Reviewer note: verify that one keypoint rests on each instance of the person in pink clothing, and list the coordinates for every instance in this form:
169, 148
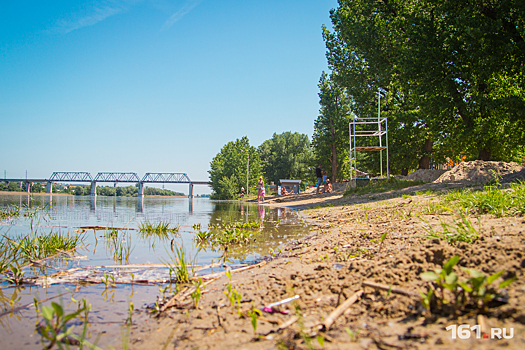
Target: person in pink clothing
260, 190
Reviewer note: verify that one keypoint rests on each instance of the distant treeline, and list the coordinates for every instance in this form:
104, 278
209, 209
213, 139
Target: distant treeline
128, 191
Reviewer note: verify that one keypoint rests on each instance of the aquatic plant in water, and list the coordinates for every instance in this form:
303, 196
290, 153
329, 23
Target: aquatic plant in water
181, 265
162, 229
34, 246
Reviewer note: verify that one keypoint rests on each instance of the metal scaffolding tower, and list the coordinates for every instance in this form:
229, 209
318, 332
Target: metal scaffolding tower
371, 127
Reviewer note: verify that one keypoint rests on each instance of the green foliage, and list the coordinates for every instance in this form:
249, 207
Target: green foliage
448, 291
162, 229
438, 89
330, 140
460, 230
228, 169
197, 293
180, 265
254, 314
56, 328
287, 156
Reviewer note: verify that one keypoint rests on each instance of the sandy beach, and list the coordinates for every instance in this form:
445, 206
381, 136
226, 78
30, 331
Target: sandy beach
353, 290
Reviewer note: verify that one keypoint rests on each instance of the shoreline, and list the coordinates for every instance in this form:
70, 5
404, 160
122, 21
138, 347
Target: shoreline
70, 194
329, 266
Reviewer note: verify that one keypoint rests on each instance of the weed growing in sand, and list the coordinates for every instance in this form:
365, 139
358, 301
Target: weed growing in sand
254, 314
461, 230
491, 200
232, 294
447, 291
197, 293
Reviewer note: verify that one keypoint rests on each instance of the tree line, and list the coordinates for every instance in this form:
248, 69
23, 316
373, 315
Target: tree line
450, 76
119, 191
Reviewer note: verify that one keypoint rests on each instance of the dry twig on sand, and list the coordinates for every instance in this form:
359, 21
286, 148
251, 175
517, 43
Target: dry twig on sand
340, 309
394, 290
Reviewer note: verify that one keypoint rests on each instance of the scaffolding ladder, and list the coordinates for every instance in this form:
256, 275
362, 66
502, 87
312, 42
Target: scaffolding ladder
373, 127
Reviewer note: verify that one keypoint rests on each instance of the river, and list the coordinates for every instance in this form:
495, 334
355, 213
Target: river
110, 302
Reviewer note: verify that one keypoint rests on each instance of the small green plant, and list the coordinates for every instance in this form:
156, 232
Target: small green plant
161, 230
233, 295
16, 275
181, 265
197, 293
461, 230
254, 314
447, 291
56, 329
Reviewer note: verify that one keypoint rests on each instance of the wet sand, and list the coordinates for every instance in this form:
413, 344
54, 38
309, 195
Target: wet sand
339, 260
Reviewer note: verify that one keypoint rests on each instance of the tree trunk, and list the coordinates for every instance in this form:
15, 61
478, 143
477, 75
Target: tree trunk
404, 171
485, 154
424, 162
334, 163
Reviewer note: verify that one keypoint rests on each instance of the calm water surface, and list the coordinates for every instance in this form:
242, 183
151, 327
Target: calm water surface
110, 305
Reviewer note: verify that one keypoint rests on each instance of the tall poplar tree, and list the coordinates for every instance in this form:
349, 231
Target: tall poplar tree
331, 134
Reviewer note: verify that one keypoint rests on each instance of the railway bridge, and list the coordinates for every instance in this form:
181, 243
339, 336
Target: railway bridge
112, 177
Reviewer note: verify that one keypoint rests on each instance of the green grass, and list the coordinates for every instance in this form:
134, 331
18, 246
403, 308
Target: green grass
382, 185
491, 200
119, 245
17, 251
162, 230
10, 212
180, 264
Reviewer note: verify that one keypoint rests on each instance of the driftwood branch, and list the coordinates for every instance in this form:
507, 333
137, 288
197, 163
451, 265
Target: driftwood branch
391, 289
340, 309
219, 274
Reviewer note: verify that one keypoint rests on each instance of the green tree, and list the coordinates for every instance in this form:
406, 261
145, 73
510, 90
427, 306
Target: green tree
287, 156
79, 191
454, 67
331, 134
14, 186
228, 169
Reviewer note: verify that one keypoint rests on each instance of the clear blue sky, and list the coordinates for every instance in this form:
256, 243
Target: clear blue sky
153, 85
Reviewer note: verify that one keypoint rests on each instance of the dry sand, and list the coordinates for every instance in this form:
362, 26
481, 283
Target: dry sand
331, 265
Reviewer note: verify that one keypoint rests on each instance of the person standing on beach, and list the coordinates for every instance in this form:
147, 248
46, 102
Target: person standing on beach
260, 190
242, 192
319, 175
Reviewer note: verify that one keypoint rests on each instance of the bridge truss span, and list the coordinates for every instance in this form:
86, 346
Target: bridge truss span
116, 177
72, 176
176, 178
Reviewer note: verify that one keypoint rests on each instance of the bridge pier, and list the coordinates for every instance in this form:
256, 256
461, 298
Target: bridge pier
141, 190
49, 187
28, 186
93, 189
191, 191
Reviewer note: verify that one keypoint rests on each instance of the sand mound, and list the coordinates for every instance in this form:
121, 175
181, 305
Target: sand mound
427, 175
478, 171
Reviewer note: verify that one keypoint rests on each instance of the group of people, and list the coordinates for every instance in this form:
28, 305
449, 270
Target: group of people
260, 190
322, 178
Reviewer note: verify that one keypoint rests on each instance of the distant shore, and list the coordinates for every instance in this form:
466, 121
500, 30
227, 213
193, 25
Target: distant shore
69, 194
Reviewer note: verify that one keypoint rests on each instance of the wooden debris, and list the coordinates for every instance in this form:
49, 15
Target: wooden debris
394, 290
340, 309
288, 323
172, 301
219, 274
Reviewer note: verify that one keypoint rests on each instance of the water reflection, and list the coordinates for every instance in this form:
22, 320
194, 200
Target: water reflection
68, 214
